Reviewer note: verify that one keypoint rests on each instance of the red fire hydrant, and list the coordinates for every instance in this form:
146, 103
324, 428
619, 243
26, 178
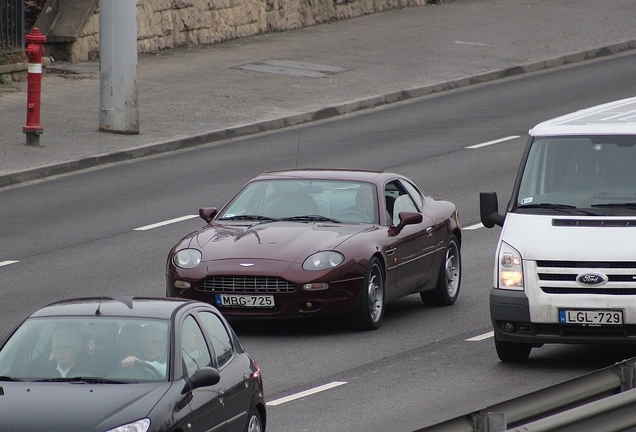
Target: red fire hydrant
34, 52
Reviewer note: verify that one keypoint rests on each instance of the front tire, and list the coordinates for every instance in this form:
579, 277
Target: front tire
254, 424
449, 278
370, 310
512, 352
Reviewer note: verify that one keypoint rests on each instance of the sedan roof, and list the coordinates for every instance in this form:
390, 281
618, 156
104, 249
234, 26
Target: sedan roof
329, 174
139, 307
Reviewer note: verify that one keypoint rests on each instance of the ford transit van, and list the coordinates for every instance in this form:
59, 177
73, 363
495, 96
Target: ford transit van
565, 263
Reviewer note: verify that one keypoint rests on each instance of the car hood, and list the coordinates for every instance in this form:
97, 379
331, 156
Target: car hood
61, 406
287, 241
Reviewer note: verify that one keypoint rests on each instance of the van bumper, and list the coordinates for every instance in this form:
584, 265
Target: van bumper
510, 315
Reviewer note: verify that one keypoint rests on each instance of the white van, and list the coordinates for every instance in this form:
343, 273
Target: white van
565, 264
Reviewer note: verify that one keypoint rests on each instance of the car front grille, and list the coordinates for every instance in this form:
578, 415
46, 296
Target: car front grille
245, 284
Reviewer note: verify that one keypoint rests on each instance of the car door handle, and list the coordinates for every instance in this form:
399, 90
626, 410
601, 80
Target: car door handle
390, 251
221, 394
430, 231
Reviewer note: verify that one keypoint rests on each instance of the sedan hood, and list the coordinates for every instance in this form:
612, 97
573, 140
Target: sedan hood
60, 406
286, 241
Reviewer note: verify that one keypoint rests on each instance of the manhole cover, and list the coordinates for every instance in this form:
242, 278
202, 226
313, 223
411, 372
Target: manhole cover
294, 68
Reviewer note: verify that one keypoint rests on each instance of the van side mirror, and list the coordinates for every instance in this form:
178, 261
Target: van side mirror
489, 210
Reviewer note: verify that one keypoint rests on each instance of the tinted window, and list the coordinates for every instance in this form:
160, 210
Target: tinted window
194, 350
221, 340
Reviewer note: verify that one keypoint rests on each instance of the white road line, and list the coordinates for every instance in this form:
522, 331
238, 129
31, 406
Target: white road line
164, 223
5, 263
473, 227
481, 337
469, 43
508, 138
305, 393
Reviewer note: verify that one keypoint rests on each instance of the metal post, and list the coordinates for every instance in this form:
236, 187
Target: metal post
119, 107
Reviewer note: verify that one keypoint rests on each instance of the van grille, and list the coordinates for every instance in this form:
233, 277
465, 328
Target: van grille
560, 277
246, 284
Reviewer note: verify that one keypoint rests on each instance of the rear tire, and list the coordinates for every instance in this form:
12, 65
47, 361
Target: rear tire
370, 310
449, 278
512, 352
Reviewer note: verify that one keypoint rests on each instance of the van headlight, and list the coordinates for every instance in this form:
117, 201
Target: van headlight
509, 268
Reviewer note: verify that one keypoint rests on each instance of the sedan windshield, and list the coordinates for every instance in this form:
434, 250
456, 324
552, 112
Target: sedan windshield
89, 349
563, 174
304, 201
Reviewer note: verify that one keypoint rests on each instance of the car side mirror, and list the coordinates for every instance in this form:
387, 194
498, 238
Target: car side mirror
489, 210
204, 377
407, 218
207, 213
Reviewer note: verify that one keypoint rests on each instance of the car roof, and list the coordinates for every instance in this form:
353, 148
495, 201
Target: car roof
613, 118
137, 307
329, 174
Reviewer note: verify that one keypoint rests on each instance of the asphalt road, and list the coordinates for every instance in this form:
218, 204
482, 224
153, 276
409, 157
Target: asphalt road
78, 235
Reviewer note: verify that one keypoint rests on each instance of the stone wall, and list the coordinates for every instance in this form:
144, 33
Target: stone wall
165, 24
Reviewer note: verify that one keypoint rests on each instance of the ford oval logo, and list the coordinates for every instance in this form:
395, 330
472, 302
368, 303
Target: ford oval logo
591, 279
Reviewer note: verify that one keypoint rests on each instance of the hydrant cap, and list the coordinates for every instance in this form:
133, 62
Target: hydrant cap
35, 36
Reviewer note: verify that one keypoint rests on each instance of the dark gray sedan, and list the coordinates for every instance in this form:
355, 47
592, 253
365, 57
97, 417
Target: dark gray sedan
128, 365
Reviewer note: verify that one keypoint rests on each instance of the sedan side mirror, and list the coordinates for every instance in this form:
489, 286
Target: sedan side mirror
489, 210
207, 213
204, 377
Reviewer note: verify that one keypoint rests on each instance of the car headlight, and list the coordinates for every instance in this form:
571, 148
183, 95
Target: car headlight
323, 260
187, 258
510, 268
137, 426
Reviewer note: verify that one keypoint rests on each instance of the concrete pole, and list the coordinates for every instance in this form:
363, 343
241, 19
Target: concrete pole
118, 100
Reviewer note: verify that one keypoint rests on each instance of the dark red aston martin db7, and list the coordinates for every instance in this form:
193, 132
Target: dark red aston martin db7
320, 242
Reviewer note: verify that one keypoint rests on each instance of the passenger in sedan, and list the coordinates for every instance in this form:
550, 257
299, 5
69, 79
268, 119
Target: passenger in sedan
63, 362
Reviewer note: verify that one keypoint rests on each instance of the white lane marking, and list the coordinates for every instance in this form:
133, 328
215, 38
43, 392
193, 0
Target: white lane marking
481, 337
473, 227
305, 393
469, 43
164, 223
5, 263
508, 138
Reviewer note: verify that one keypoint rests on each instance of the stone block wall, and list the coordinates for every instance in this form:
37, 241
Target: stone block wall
165, 24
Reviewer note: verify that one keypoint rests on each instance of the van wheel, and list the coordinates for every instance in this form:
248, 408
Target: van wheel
449, 278
512, 351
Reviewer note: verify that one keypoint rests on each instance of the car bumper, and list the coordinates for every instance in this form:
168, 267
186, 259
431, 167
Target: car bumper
341, 298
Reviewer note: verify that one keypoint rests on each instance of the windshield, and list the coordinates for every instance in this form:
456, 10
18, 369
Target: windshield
338, 201
98, 349
594, 172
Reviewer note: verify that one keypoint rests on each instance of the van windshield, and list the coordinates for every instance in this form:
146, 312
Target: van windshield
580, 172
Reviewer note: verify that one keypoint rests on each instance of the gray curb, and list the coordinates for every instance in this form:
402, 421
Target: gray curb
321, 114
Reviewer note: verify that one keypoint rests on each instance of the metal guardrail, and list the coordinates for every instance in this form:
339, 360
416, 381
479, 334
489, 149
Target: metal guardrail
11, 26
601, 401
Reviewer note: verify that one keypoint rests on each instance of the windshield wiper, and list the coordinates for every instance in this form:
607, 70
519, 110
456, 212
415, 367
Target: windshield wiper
8, 378
566, 208
626, 205
311, 218
249, 217
88, 380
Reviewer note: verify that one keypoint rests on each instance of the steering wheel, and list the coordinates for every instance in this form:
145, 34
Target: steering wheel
148, 367
357, 215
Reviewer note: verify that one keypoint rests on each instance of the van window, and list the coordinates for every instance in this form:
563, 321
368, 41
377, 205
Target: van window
579, 171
